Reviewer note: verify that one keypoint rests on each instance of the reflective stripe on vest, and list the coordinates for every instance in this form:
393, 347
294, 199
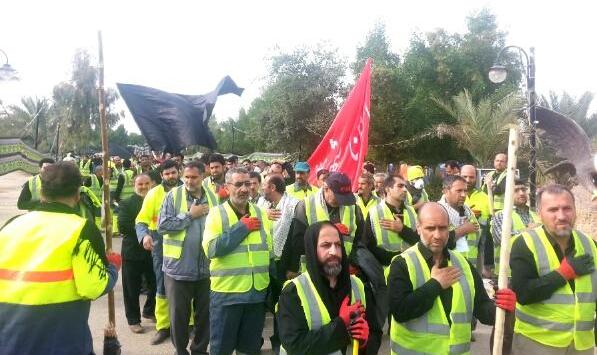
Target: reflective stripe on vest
498, 200
517, 227
95, 186
315, 310
247, 266
432, 333
566, 317
373, 201
301, 194
390, 240
128, 186
212, 198
316, 212
173, 242
152, 203
84, 168
409, 197
35, 188
36, 264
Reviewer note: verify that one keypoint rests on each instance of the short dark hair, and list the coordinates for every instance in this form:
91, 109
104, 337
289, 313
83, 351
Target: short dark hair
389, 181
321, 172
370, 168
553, 189
520, 182
278, 183
247, 161
450, 180
452, 164
254, 174
155, 176
46, 160
232, 159
168, 164
216, 158
194, 164
61, 179
126, 163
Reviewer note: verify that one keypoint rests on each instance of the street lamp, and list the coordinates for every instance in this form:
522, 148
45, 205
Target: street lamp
6, 71
497, 74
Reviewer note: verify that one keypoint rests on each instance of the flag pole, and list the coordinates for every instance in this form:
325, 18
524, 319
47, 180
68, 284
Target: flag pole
111, 344
500, 314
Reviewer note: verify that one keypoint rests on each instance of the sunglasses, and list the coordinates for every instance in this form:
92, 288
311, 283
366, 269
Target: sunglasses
240, 184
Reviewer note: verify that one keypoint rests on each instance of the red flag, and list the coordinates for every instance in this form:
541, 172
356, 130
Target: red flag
344, 146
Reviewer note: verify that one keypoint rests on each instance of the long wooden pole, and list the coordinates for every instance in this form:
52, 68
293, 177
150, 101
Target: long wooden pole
106, 172
500, 314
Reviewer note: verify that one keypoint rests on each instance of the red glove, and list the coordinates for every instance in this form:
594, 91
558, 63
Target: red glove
359, 330
114, 259
505, 299
342, 228
347, 309
252, 223
222, 193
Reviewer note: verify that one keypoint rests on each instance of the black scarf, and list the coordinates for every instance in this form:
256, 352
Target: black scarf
332, 298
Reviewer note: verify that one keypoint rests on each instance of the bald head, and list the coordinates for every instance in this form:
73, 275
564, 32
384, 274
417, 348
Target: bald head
433, 227
469, 173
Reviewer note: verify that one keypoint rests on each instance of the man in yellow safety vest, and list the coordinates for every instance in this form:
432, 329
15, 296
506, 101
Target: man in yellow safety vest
435, 292
553, 273
31, 192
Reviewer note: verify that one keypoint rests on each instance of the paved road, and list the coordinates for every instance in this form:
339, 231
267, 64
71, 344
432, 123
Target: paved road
138, 344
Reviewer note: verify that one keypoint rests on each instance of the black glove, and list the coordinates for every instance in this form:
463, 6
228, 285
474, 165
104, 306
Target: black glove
582, 265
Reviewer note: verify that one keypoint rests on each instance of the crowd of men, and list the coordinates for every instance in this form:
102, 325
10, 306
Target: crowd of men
216, 243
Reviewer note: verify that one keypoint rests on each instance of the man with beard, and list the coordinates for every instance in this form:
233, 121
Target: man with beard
379, 178
301, 188
478, 202
137, 263
553, 273
365, 198
462, 219
496, 181
238, 242
214, 183
147, 234
323, 310
280, 207
186, 269
390, 227
435, 292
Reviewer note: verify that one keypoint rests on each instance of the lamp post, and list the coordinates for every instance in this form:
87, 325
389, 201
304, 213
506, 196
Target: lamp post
497, 74
6, 71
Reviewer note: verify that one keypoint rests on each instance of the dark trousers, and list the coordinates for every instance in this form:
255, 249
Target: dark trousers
508, 334
236, 327
133, 272
181, 294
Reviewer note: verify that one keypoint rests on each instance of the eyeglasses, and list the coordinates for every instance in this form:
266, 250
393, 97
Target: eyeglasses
239, 184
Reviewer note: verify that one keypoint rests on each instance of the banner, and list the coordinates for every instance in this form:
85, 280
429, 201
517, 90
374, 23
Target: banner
171, 122
344, 146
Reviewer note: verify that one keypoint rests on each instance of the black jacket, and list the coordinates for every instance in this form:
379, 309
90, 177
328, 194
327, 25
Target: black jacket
128, 211
407, 304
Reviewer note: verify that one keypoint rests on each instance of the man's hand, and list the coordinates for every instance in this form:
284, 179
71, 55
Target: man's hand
148, 243
446, 276
346, 310
273, 214
394, 225
488, 181
197, 211
114, 259
252, 223
571, 268
466, 228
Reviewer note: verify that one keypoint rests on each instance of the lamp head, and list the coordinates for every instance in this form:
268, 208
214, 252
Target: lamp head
497, 74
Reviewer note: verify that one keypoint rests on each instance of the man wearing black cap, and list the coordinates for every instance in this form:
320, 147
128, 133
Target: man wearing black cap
334, 202
322, 310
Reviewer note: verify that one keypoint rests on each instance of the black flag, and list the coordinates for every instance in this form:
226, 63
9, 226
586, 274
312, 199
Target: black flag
172, 122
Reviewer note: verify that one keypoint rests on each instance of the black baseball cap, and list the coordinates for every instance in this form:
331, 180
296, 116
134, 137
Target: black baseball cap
341, 186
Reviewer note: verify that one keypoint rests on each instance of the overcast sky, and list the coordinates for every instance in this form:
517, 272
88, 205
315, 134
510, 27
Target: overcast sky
188, 46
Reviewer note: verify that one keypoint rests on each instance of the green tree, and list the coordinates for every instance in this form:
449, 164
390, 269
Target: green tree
481, 128
33, 115
299, 101
76, 106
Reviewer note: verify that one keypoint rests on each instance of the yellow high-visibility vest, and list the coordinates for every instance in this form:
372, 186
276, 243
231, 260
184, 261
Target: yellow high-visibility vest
245, 267
315, 310
567, 316
36, 262
432, 333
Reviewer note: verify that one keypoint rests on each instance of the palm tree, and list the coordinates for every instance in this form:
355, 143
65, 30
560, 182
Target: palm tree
481, 128
29, 120
578, 110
